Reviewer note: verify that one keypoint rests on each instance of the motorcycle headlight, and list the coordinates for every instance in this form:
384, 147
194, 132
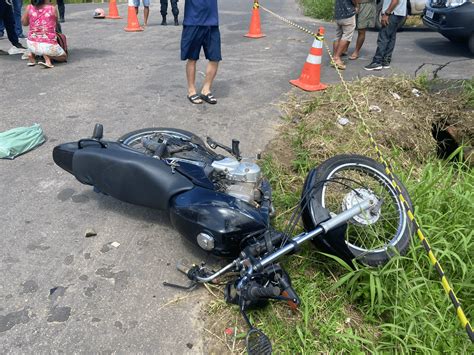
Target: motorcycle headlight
454, 3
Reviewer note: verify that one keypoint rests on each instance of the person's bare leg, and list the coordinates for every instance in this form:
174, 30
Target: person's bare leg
359, 43
211, 72
335, 44
146, 12
31, 57
191, 77
342, 46
47, 60
136, 10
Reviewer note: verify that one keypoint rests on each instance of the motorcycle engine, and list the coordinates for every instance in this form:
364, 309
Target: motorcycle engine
240, 179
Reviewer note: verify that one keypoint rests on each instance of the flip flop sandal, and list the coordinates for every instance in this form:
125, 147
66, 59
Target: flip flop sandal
209, 98
194, 99
46, 66
353, 58
339, 66
30, 64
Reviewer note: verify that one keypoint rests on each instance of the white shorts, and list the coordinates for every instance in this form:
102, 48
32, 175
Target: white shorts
39, 48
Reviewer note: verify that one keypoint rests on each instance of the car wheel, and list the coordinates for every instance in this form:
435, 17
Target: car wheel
453, 39
471, 43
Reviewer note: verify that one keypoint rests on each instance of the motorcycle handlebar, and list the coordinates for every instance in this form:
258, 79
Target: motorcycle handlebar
264, 292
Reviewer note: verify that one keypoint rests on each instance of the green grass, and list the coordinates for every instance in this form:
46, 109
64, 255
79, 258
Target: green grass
398, 308
320, 9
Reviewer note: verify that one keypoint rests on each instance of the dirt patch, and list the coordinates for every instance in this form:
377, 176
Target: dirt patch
399, 112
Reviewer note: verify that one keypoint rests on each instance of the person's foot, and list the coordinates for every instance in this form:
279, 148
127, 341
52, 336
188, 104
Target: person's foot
21, 36
339, 64
62, 20
19, 45
373, 66
386, 65
46, 65
2, 35
176, 22
354, 56
163, 23
195, 98
209, 98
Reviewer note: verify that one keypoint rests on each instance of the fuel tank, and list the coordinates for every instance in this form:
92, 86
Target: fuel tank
214, 221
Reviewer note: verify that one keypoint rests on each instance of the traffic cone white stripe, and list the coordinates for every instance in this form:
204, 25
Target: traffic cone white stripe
317, 44
313, 59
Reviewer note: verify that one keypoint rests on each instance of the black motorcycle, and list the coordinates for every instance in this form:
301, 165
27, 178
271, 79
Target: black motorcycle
349, 207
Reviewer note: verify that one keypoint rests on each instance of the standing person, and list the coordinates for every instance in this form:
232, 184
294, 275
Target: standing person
6, 16
17, 4
146, 9
201, 30
365, 18
42, 18
174, 10
344, 13
62, 10
393, 13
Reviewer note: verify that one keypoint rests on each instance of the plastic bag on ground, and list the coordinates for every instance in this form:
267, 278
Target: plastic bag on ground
20, 140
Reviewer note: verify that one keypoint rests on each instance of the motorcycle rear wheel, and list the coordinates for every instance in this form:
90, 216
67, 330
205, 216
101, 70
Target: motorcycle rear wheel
340, 183
134, 139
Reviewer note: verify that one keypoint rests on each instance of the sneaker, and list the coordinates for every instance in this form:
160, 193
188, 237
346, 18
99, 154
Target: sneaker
386, 65
22, 36
62, 20
176, 22
14, 50
163, 23
373, 66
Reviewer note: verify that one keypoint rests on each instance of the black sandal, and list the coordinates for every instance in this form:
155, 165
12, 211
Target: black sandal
209, 98
194, 99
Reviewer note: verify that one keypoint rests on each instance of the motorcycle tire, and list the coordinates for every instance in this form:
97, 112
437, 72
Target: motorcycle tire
135, 136
338, 184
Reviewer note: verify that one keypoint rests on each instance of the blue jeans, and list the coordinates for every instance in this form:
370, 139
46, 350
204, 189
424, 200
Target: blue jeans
6, 14
17, 4
386, 40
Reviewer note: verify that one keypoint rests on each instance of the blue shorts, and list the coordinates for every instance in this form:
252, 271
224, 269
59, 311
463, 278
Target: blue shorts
195, 37
146, 3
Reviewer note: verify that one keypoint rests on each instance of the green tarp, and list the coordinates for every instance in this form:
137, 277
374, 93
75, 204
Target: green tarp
20, 140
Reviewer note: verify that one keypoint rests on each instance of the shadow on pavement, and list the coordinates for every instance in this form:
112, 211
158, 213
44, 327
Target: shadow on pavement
442, 47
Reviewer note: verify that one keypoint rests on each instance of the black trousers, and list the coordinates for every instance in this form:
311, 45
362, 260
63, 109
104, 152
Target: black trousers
61, 8
174, 7
386, 40
6, 14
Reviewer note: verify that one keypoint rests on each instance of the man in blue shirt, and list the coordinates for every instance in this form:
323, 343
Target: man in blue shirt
201, 30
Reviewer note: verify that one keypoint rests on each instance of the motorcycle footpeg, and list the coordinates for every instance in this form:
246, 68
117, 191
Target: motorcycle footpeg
188, 287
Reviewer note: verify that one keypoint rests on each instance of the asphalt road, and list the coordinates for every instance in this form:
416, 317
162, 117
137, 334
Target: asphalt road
60, 291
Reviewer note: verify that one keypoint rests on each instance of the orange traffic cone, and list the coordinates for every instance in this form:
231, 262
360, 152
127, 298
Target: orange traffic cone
113, 11
132, 25
310, 77
255, 31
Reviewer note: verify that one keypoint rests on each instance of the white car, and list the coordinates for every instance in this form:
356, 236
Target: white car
414, 7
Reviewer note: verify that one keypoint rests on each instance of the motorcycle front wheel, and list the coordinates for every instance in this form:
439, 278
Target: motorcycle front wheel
342, 182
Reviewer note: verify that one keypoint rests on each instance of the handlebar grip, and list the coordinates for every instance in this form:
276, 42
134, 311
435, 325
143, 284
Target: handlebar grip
264, 292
